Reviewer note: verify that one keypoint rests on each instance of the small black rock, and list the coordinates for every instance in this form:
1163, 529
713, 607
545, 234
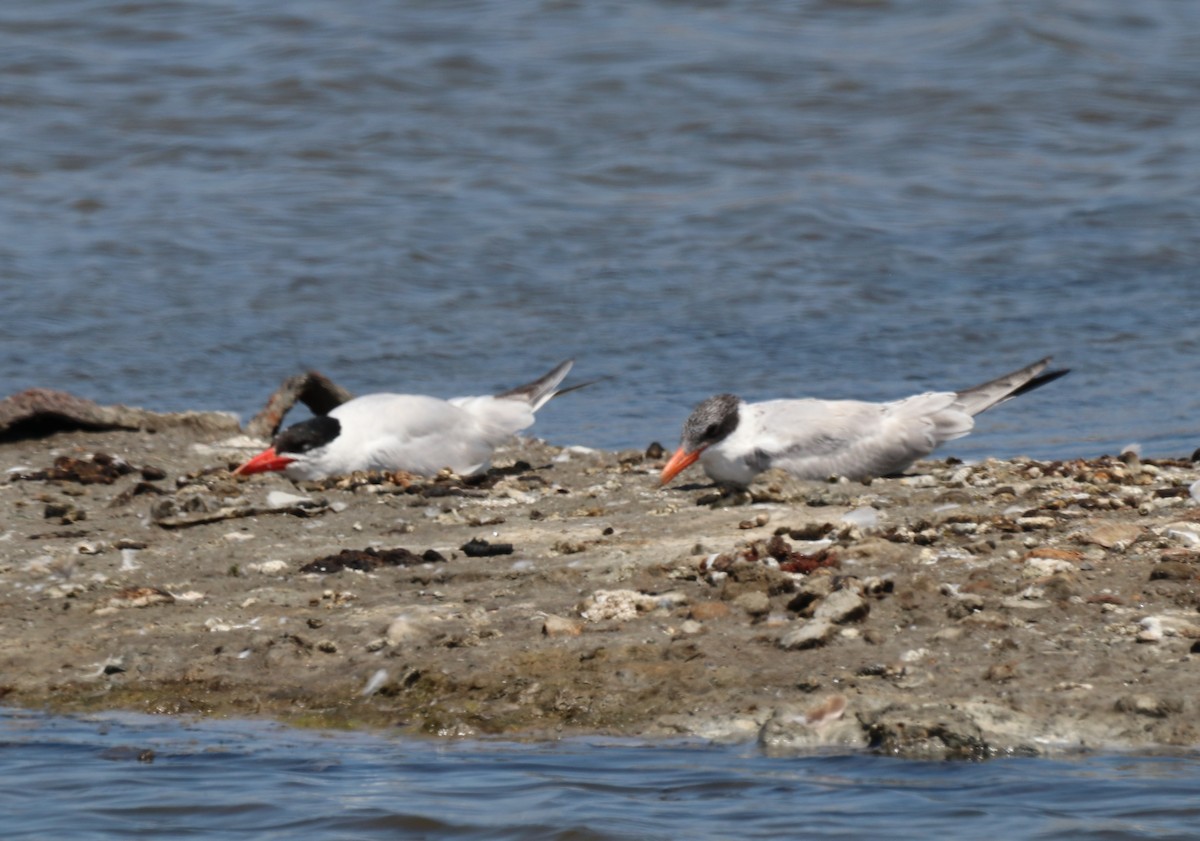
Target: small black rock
476, 548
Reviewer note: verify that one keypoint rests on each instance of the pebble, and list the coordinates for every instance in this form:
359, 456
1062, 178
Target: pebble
671, 600
1152, 630
754, 602
616, 605
708, 611
757, 521
403, 629
1157, 626
1172, 571
279, 499
1187, 534
375, 682
864, 518
561, 626
272, 567
137, 597
842, 606
1058, 554
1027, 599
816, 586
1148, 705
877, 587
1001, 672
64, 513
803, 730
966, 604
1116, 536
1040, 567
809, 635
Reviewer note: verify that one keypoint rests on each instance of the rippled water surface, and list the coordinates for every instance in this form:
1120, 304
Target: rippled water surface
198, 199
123, 776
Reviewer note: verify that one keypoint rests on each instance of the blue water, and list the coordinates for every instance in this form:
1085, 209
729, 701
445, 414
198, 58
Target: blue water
198, 199
867, 199
81, 778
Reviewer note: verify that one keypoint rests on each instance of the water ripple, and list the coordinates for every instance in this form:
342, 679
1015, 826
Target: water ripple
207, 780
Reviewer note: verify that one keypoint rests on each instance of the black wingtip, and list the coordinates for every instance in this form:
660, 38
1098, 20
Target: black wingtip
536, 391
1040, 380
569, 389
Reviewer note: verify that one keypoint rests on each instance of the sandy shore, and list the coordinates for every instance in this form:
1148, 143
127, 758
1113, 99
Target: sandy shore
965, 610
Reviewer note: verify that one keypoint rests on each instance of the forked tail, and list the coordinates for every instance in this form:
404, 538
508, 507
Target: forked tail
542, 389
986, 395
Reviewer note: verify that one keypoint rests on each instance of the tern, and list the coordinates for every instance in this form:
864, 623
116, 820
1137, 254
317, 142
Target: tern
407, 432
816, 439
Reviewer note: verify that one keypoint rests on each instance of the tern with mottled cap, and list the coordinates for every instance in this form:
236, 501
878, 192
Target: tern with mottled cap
407, 432
734, 441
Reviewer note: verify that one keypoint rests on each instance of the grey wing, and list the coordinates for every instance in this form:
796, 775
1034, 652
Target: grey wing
815, 439
409, 432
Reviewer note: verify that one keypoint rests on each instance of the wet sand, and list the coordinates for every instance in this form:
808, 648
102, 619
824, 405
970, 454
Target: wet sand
964, 610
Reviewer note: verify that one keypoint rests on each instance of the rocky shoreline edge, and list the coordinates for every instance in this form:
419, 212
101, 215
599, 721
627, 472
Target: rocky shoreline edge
967, 610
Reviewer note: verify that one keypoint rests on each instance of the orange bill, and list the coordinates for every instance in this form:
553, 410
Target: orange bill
264, 462
678, 463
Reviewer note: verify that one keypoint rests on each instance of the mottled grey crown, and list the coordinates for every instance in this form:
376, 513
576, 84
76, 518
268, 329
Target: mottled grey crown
307, 435
710, 422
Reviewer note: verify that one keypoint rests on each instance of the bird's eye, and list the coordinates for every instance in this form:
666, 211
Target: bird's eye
710, 431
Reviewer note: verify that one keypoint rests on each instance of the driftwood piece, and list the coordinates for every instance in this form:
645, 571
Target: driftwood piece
314, 390
167, 514
39, 411
371, 558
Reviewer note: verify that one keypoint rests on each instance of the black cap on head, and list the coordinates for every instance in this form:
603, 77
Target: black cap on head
307, 435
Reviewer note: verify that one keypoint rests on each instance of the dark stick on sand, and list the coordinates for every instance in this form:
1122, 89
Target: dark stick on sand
314, 390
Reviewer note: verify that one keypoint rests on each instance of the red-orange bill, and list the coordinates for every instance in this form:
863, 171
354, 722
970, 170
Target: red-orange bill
264, 462
680, 461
